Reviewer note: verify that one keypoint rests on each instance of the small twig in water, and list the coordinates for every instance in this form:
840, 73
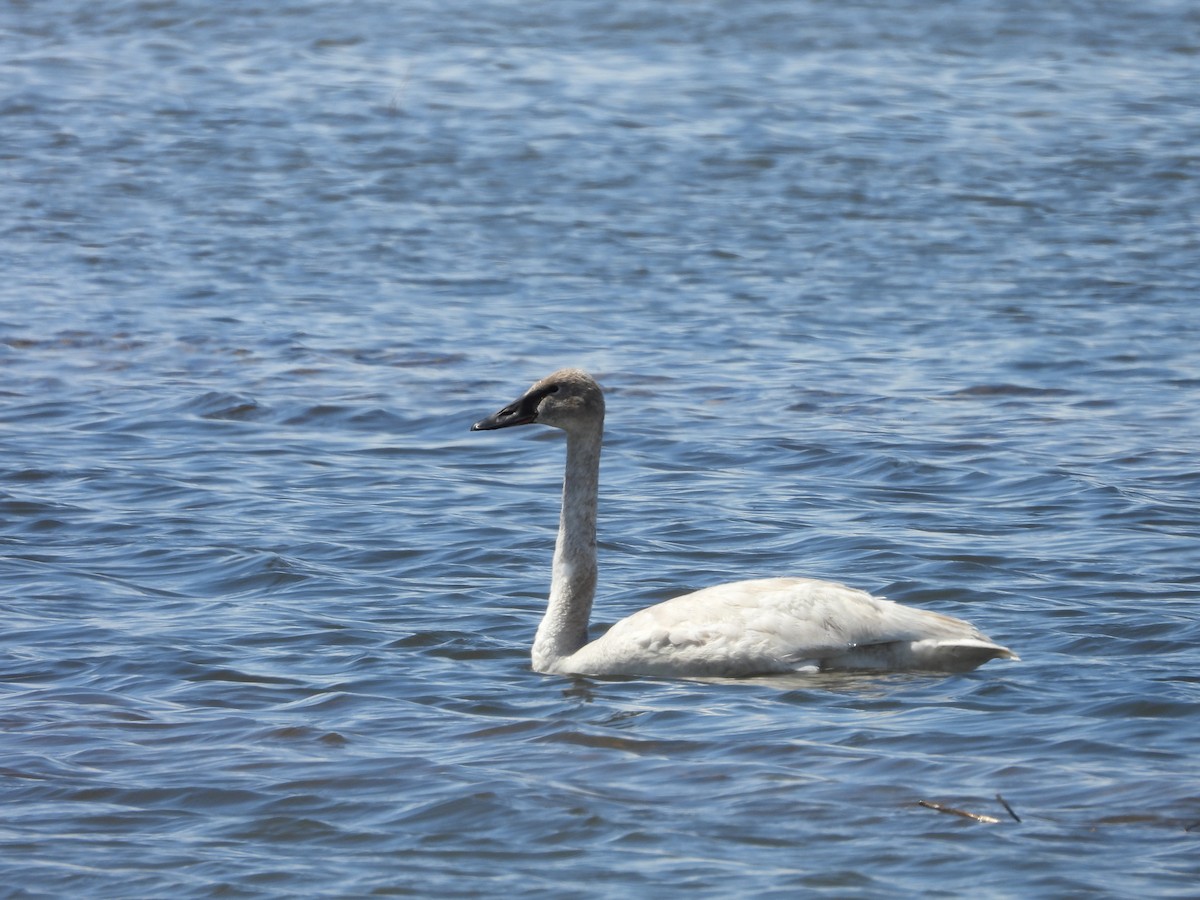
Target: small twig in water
974, 817
1004, 803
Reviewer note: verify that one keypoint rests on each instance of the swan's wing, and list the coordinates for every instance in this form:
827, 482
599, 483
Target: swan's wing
779, 625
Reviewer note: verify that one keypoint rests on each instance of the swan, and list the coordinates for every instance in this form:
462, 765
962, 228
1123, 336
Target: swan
743, 628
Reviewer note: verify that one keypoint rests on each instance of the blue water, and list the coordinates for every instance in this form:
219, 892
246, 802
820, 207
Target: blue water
902, 295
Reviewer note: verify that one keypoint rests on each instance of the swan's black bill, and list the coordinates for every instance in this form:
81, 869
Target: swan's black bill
513, 414
523, 411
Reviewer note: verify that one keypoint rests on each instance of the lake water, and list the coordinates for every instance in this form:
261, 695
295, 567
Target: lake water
901, 295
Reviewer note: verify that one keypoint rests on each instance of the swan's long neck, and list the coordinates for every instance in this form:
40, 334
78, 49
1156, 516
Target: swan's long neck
573, 584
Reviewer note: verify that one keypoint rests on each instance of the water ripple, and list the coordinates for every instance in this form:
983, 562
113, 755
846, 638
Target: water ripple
902, 299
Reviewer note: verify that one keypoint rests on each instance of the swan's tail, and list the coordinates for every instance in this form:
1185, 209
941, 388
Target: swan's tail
959, 655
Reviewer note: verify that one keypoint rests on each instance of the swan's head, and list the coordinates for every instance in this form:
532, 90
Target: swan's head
569, 399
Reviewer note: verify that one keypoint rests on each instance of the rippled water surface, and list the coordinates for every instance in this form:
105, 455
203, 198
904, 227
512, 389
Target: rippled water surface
902, 295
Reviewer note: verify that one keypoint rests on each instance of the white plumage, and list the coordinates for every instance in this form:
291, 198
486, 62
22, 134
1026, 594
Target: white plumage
743, 628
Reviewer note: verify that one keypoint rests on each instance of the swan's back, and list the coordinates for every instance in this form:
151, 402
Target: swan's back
782, 625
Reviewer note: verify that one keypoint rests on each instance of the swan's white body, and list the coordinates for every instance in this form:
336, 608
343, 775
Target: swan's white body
758, 627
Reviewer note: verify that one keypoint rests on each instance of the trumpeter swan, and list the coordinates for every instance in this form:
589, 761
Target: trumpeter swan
743, 628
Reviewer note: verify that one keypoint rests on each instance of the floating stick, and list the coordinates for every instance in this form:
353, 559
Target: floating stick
974, 817
1004, 803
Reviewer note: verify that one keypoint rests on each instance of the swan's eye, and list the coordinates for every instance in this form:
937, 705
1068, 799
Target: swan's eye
553, 389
